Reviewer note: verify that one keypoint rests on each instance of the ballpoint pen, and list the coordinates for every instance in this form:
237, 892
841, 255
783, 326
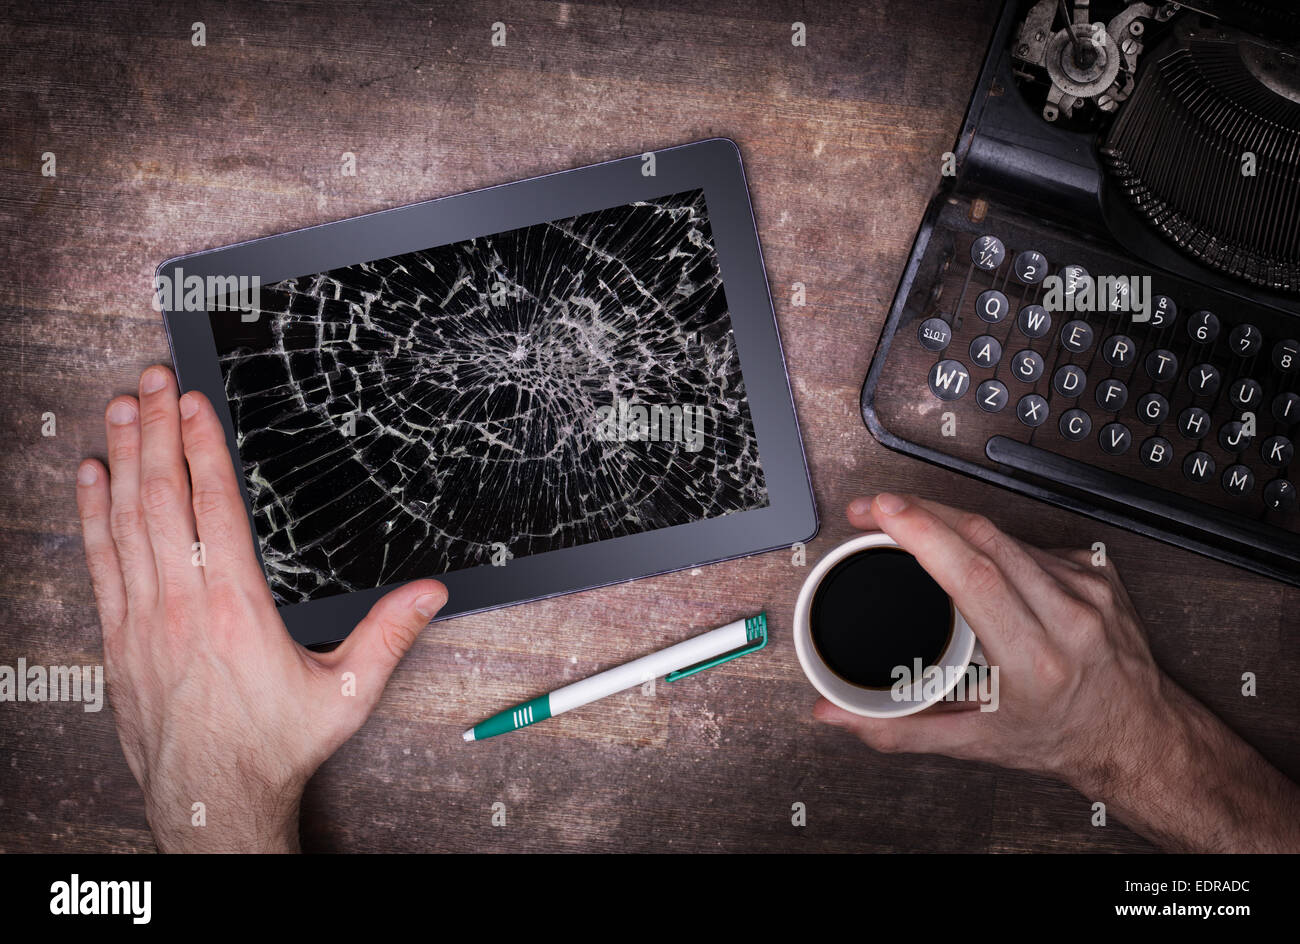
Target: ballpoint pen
676, 662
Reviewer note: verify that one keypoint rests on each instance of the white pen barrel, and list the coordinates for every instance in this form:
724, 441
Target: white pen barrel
687, 653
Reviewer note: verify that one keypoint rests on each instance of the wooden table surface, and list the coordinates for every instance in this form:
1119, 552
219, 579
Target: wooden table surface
164, 148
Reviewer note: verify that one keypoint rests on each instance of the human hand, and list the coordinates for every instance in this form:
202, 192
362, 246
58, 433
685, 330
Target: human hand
214, 702
1080, 696
1074, 667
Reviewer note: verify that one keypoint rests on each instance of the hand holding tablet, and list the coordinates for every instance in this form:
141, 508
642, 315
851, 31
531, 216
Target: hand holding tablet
526, 390
222, 717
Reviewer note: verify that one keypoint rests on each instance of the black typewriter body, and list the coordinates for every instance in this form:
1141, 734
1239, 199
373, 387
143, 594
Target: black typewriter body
1142, 160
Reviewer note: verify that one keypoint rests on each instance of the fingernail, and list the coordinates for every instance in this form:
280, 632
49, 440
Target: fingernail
152, 381
859, 506
890, 504
189, 406
429, 604
121, 413
87, 474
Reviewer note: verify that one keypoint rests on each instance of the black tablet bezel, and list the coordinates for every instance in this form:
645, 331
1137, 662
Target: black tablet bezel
715, 165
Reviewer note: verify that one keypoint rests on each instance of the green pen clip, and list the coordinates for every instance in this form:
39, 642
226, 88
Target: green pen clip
755, 632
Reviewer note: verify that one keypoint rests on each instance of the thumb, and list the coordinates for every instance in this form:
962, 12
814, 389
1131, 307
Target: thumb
927, 732
383, 638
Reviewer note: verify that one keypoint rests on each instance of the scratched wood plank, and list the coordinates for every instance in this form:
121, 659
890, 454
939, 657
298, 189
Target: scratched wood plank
164, 148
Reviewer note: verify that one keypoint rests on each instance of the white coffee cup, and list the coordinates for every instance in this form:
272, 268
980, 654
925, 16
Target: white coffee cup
873, 702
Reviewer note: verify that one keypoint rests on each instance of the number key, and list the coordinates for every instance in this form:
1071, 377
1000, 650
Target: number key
1285, 353
1203, 327
1072, 276
1163, 311
1031, 267
1245, 340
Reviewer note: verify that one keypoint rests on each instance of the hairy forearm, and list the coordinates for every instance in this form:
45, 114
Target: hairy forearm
254, 820
1189, 784
254, 834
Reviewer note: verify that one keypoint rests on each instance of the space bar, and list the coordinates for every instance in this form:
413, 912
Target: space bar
1178, 511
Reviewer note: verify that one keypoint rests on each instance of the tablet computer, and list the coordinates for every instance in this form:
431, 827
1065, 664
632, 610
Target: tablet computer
536, 388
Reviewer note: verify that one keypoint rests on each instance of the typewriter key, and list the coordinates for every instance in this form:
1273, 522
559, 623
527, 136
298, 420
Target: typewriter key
992, 396
1075, 425
1115, 439
1238, 480
992, 306
1203, 380
1162, 365
1203, 327
1152, 409
949, 380
1277, 451
1156, 452
1279, 495
1198, 466
1032, 410
934, 334
986, 350
1245, 340
987, 253
1233, 438
1076, 336
1027, 366
1112, 395
1031, 267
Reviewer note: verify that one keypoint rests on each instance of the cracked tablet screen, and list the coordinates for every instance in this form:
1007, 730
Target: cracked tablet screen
547, 387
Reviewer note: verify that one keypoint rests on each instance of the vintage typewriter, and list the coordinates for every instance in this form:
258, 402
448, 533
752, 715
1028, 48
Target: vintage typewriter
1102, 306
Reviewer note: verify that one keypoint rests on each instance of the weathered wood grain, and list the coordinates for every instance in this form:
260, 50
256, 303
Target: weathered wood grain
164, 148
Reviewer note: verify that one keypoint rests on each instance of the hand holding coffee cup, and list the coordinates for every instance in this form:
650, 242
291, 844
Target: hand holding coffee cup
1070, 650
1081, 698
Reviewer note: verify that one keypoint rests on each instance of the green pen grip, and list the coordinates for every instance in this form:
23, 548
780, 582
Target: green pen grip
520, 716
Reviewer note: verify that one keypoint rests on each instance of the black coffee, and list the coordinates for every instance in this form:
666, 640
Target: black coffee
875, 610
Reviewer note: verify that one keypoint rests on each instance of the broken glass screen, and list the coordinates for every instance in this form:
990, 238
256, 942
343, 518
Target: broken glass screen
537, 389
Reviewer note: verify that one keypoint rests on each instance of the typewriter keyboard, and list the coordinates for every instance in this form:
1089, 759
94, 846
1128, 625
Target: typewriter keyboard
1058, 364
